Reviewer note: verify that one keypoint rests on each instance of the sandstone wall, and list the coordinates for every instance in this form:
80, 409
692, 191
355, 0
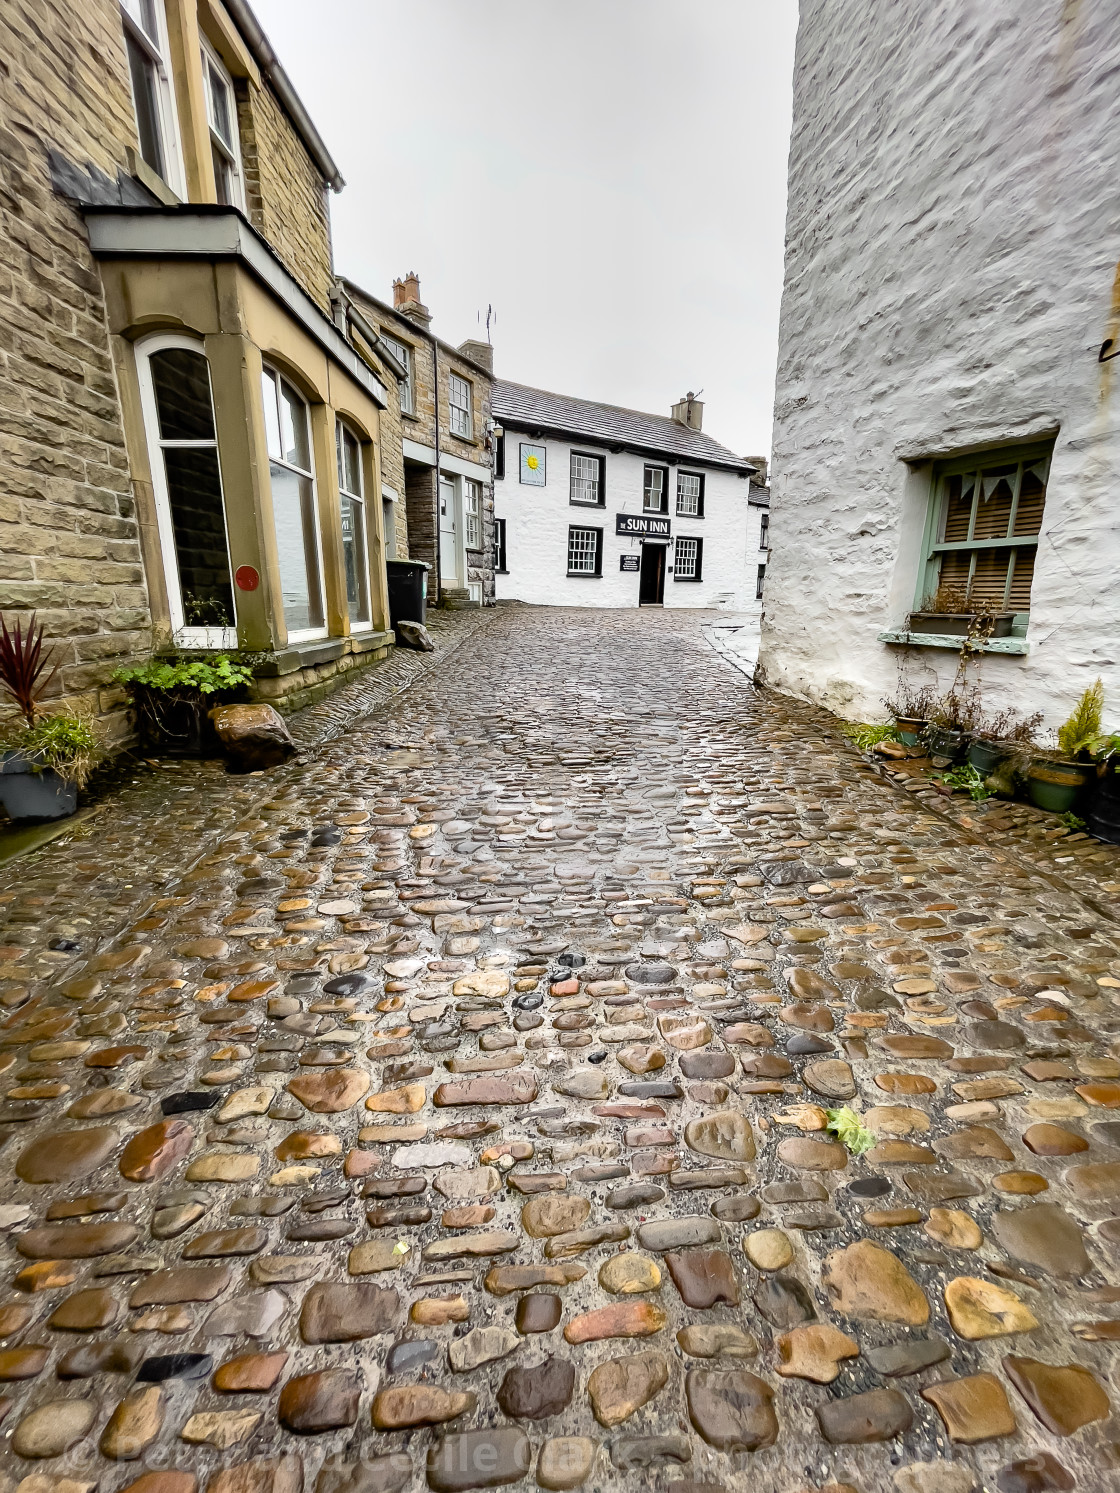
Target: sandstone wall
951, 273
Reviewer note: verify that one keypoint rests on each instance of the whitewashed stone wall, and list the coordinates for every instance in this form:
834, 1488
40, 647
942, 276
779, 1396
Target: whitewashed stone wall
537, 521
951, 273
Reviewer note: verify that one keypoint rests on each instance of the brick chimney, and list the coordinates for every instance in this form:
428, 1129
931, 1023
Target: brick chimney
406, 298
689, 411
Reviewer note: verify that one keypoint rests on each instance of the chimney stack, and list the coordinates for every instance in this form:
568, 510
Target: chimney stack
479, 352
406, 298
689, 411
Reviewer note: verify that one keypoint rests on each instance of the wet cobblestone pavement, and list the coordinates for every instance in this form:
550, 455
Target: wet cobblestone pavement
447, 1110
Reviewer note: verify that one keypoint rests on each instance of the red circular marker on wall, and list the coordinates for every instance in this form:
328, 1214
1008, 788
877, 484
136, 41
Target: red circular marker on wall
246, 578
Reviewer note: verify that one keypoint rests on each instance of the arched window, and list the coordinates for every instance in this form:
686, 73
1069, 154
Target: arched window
352, 498
186, 477
288, 427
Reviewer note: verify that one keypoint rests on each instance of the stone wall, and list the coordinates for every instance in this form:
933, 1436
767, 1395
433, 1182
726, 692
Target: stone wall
68, 536
287, 198
951, 274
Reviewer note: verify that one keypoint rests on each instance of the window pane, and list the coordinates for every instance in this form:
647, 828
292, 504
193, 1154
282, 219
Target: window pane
224, 180
1032, 494
294, 444
585, 479
145, 96
271, 414
353, 552
688, 492
143, 12
654, 491
472, 509
958, 508
293, 506
221, 105
993, 512
684, 560
349, 462
582, 550
182, 387
194, 491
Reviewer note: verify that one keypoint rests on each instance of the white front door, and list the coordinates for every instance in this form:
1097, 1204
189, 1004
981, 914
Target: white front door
448, 536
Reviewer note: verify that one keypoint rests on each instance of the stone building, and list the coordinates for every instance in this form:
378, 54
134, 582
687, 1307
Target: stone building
947, 410
191, 438
601, 506
459, 506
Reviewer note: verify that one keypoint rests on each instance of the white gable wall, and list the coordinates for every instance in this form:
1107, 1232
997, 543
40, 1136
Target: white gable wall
538, 518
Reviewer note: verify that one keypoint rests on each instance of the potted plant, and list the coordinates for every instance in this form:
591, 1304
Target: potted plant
1055, 780
911, 709
1103, 815
951, 719
998, 737
44, 759
172, 698
953, 612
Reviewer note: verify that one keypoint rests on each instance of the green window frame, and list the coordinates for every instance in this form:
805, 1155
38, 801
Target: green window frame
983, 527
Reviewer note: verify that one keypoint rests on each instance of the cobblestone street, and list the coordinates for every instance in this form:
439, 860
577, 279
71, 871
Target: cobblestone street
448, 1108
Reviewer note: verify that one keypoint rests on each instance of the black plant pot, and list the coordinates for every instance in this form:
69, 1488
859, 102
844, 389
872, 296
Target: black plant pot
944, 743
176, 722
1103, 816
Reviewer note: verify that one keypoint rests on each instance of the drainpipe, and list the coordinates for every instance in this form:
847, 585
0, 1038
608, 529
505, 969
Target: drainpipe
435, 384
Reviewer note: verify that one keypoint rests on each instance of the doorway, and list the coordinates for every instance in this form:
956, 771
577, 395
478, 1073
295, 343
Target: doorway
448, 536
651, 588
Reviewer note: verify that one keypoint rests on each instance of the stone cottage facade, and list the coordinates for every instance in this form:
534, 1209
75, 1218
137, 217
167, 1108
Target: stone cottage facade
192, 439
601, 506
446, 520
947, 409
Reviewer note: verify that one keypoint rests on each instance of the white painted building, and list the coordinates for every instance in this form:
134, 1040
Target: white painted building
607, 507
948, 396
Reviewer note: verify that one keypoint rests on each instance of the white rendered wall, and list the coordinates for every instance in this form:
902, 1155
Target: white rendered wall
537, 521
951, 273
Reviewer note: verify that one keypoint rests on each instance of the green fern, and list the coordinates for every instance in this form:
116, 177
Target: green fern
1084, 724
865, 736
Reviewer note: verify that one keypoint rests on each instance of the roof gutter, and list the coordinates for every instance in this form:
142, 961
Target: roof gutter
272, 69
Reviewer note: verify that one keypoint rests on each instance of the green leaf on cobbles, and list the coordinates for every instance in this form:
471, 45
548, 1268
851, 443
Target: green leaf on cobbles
846, 1126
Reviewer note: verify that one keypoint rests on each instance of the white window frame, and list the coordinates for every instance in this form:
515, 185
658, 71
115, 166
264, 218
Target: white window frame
680, 546
595, 552
402, 351
230, 149
189, 637
696, 498
664, 504
157, 51
459, 416
472, 514
302, 634
358, 497
581, 480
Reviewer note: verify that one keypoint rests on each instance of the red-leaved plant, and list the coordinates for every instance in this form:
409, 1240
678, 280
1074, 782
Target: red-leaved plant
26, 669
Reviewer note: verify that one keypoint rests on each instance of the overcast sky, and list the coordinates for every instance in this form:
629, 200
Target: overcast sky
609, 175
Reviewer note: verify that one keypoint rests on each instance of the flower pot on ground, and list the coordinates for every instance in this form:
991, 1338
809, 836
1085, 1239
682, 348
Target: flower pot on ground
44, 759
944, 743
30, 792
1055, 785
986, 756
172, 698
1103, 815
910, 729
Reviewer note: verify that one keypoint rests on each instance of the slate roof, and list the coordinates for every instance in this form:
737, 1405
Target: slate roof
608, 425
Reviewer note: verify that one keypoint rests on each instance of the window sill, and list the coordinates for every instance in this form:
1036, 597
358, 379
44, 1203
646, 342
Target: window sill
579, 503
945, 640
687, 580
583, 575
679, 514
501, 572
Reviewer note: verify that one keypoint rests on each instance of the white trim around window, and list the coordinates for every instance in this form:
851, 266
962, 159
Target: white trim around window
225, 137
177, 404
351, 496
287, 420
459, 418
402, 351
153, 92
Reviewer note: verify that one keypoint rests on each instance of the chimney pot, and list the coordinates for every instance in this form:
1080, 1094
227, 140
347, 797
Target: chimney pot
406, 289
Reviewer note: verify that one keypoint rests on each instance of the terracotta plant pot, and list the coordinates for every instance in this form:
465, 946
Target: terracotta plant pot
29, 795
910, 728
1055, 785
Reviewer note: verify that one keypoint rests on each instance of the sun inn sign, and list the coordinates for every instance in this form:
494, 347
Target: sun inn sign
642, 525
